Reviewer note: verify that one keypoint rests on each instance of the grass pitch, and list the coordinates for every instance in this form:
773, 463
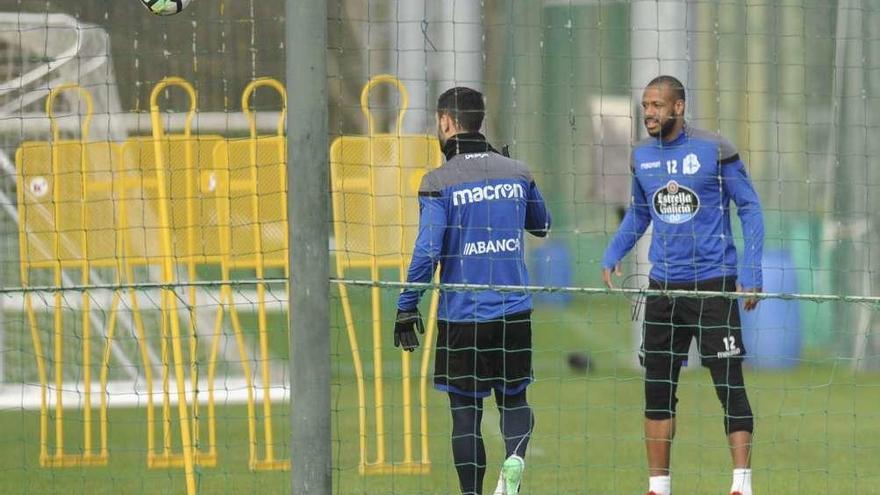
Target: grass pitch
818, 426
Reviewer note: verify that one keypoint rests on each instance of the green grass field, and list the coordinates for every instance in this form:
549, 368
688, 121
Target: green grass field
818, 427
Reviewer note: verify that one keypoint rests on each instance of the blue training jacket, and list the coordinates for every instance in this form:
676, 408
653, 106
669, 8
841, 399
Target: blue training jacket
685, 188
472, 214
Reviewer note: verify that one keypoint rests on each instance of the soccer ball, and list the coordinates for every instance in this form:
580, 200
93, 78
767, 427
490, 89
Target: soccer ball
165, 7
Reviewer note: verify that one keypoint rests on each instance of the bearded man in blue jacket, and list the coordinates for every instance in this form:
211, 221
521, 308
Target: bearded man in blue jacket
473, 213
684, 180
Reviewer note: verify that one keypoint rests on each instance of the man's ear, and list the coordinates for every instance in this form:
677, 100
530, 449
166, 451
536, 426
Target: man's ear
446, 123
679, 108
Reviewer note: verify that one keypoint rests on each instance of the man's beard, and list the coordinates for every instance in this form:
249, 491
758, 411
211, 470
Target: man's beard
665, 128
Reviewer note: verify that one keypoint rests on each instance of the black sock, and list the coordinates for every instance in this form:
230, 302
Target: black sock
468, 450
517, 422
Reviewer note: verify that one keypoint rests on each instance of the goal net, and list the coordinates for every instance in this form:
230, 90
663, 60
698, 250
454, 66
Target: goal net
145, 231
791, 85
144, 328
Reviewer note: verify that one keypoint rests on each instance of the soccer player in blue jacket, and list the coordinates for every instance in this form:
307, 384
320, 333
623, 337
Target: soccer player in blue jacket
684, 180
474, 211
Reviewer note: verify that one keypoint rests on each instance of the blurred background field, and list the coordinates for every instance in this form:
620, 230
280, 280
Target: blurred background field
816, 428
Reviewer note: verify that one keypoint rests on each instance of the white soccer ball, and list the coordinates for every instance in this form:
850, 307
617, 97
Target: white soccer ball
165, 7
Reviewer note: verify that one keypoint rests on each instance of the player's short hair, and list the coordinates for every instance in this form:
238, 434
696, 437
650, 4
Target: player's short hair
670, 82
464, 105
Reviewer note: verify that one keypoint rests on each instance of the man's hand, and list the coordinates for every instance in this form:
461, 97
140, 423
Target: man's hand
750, 303
606, 275
405, 329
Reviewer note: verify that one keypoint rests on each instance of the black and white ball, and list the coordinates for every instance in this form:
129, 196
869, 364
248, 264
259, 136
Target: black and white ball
165, 7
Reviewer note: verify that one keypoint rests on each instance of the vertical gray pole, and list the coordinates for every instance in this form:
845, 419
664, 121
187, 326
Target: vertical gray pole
412, 65
659, 45
308, 199
2, 339
853, 161
459, 61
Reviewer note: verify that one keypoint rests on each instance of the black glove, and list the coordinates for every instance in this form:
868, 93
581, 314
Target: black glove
405, 329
